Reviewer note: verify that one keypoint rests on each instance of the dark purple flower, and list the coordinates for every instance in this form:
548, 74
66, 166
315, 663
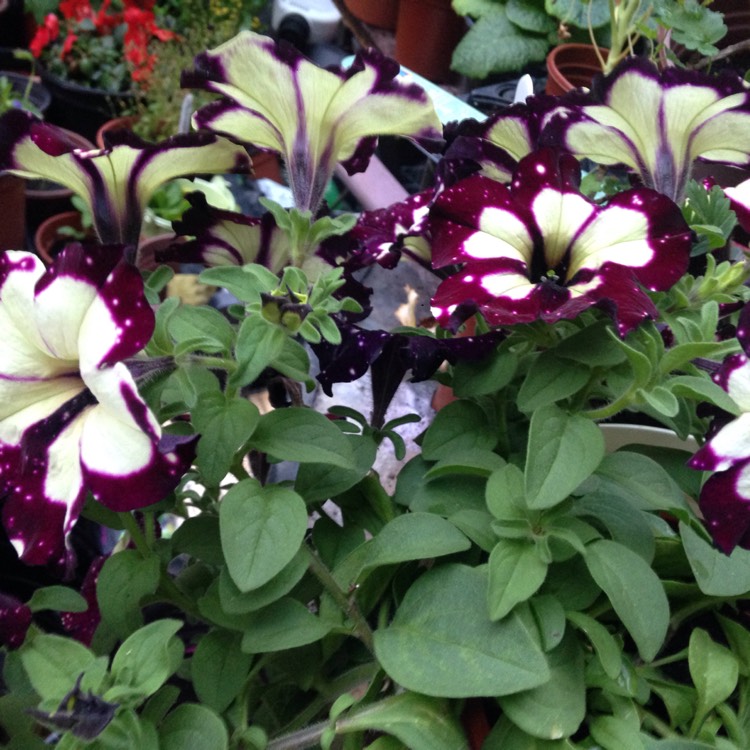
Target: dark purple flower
15, 618
539, 249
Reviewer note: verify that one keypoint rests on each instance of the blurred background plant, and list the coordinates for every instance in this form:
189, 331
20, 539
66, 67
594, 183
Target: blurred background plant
102, 45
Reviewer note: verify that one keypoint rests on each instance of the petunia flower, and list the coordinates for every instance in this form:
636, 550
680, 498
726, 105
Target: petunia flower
739, 200
494, 146
117, 182
228, 238
15, 619
659, 123
280, 101
538, 248
725, 497
71, 417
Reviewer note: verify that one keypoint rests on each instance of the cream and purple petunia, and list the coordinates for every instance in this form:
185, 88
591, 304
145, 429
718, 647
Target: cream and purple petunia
117, 182
659, 123
280, 101
71, 417
539, 249
228, 238
725, 497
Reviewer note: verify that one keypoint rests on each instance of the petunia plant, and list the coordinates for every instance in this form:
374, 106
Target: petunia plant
557, 557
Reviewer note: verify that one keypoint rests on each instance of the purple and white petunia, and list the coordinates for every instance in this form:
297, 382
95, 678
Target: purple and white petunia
658, 123
494, 146
280, 101
539, 249
739, 199
227, 238
71, 417
725, 497
117, 182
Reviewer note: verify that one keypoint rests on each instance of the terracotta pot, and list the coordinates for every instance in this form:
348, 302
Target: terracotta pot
145, 258
380, 13
266, 165
427, 32
571, 66
47, 239
13, 211
116, 123
44, 198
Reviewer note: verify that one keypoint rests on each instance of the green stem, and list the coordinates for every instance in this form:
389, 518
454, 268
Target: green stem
304, 738
133, 530
610, 410
212, 363
347, 604
660, 727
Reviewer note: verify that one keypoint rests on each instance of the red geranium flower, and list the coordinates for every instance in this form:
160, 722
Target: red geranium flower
46, 33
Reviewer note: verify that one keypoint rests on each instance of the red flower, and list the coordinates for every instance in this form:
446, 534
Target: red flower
70, 40
45, 34
77, 10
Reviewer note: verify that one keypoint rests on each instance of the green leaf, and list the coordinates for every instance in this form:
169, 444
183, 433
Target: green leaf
53, 664
563, 450
580, 14
282, 625
693, 25
550, 379
304, 435
557, 708
258, 344
715, 573
219, 668
201, 328
549, 616
488, 375
144, 661
635, 592
609, 653
442, 496
261, 530
199, 537
57, 598
194, 727
505, 494
415, 536
244, 282
637, 479
195, 383
432, 647
701, 389
515, 573
234, 602
530, 16
225, 425
738, 638
462, 426
591, 346
661, 400
124, 580
505, 735
626, 524
480, 463
714, 670
495, 45
421, 723
316, 482
613, 733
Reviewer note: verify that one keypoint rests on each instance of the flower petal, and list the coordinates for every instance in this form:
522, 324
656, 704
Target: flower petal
313, 117
725, 505
117, 182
